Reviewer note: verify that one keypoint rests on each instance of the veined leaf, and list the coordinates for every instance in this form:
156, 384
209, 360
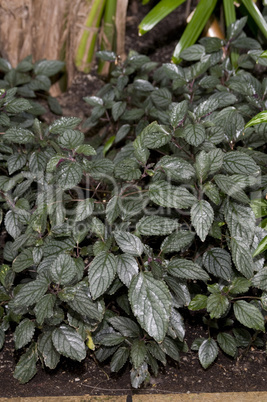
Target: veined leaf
177, 241
49, 353
182, 268
71, 139
217, 305
119, 358
129, 243
30, 293
229, 187
202, 216
69, 174
69, 343
155, 136
176, 168
242, 258
167, 195
101, 273
138, 352
151, 304
207, 352
259, 118
194, 134
227, 343
127, 267
217, 261
26, 367
65, 123
125, 326
249, 315
84, 209
239, 162
153, 225
24, 333
63, 270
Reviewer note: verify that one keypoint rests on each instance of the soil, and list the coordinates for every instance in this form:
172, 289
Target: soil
88, 377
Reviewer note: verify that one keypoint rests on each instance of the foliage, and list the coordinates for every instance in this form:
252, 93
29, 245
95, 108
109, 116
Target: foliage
200, 18
28, 81
108, 250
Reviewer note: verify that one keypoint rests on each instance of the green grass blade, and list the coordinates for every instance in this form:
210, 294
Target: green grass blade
191, 33
230, 18
256, 15
160, 11
86, 48
108, 34
229, 12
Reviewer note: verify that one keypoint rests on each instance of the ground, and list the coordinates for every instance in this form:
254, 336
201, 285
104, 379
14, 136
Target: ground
88, 377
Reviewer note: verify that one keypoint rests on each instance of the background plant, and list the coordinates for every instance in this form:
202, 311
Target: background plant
108, 249
202, 13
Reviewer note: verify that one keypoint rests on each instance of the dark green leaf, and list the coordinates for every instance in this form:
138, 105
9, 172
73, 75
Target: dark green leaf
59, 126
227, 343
63, 270
217, 305
119, 358
125, 326
194, 134
155, 136
176, 168
101, 273
202, 216
69, 174
249, 315
167, 195
153, 225
217, 261
199, 302
177, 241
151, 304
24, 333
69, 343
239, 162
30, 293
44, 307
182, 268
26, 367
49, 354
138, 353
242, 257
129, 243
207, 352
127, 267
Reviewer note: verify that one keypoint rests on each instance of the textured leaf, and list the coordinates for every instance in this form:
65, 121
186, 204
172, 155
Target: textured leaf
202, 216
177, 241
202, 165
176, 168
54, 105
207, 352
261, 247
65, 123
151, 304
69, 174
217, 262
101, 273
18, 135
45, 307
242, 258
194, 134
71, 139
48, 67
155, 136
217, 305
37, 162
69, 343
249, 315
125, 326
212, 192
12, 224
239, 285
30, 293
180, 290
199, 302
85, 149
17, 106
83, 304
127, 170
127, 267
227, 343
260, 279
46, 348
138, 353
118, 108
23, 261
24, 333
167, 195
216, 160
139, 375
229, 187
153, 225
26, 367
119, 358
176, 324
111, 339
63, 270
84, 209
16, 162
194, 52
178, 112
182, 268
141, 153
129, 243
239, 162
240, 221
161, 97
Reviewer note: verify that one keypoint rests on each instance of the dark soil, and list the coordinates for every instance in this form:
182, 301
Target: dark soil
88, 377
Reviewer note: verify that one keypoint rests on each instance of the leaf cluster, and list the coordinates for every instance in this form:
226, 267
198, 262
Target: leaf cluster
109, 247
